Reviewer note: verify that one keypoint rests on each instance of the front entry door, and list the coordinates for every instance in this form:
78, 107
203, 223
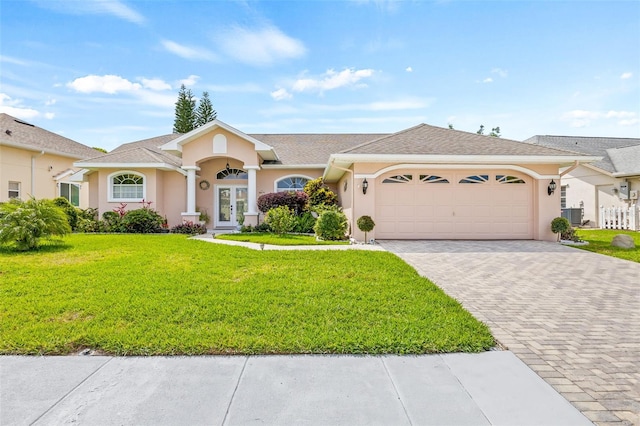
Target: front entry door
230, 201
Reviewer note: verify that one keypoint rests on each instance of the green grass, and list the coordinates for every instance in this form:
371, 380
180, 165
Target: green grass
600, 242
277, 240
165, 294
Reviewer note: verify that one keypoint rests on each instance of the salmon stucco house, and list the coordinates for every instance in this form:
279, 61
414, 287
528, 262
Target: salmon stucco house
420, 183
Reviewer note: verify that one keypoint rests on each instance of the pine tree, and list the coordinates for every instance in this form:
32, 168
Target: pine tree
205, 112
185, 111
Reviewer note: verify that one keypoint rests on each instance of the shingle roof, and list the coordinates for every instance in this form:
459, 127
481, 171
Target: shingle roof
16, 132
430, 140
595, 146
144, 151
300, 149
626, 160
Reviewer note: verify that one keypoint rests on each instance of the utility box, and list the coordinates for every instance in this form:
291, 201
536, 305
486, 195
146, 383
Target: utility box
573, 215
624, 191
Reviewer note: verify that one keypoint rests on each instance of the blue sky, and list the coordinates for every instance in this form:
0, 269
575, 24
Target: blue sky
105, 72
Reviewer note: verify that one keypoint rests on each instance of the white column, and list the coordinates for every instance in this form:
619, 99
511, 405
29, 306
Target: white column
252, 189
191, 188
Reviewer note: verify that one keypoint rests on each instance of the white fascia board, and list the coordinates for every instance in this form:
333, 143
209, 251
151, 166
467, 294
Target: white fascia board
78, 176
625, 175
598, 169
161, 166
37, 149
461, 159
293, 166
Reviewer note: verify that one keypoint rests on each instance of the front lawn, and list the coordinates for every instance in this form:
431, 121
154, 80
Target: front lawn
600, 242
165, 294
277, 240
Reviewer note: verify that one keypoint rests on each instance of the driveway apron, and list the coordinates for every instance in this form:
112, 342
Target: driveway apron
572, 316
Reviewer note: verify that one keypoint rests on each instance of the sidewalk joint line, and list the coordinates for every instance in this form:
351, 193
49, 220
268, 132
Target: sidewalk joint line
235, 389
395, 389
69, 393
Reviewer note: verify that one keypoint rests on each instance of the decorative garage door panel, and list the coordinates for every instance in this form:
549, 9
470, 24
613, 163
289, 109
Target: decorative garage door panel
456, 205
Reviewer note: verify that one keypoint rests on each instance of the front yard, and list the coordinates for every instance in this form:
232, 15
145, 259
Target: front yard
165, 294
600, 242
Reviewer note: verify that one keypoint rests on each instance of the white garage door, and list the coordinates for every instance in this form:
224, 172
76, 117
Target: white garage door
471, 204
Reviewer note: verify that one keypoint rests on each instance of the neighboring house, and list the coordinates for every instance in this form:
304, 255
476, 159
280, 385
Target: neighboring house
612, 181
36, 162
423, 182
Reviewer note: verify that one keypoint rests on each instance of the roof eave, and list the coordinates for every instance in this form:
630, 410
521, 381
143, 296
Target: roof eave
46, 151
293, 166
458, 159
160, 166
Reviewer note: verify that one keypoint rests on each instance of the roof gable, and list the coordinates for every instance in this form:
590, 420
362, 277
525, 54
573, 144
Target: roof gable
20, 134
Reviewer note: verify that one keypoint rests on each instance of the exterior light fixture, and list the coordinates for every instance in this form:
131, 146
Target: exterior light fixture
365, 185
552, 187
227, 168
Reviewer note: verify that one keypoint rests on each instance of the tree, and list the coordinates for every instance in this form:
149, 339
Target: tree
205, 112
495, 132
185, 111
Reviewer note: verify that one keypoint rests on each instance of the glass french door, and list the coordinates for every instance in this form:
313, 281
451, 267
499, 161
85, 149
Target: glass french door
230, 201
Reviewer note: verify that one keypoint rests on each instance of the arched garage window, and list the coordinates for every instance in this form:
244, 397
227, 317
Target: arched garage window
291, 183
127, 186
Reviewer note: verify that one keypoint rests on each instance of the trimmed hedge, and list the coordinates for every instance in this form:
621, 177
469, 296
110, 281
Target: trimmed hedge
295, 200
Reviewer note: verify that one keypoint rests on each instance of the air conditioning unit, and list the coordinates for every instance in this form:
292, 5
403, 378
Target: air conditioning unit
633, 194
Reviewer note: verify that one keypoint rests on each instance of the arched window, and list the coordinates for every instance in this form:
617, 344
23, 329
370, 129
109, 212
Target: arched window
291, 183
126, 186
237, 174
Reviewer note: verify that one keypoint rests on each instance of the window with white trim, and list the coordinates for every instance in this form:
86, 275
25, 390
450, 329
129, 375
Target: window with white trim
475, 179
291, 183
232, 174
563, 196
509, 179
127, 186
433, 179
71, 192
398, 179
14, 189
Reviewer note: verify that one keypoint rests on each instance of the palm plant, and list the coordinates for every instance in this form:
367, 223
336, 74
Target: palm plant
24, 223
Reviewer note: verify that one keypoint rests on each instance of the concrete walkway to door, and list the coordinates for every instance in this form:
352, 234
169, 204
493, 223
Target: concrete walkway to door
572, 316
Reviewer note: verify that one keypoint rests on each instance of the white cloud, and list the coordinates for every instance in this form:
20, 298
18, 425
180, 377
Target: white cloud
189, 81
155, 84
583, 118
49, 115
14, 108
236, 88
94, 7
409, 69
50, 102
383, 5
260, 47
332, 80
187, 52
502, 73
488, 80
110, 84
281, 94
626, 75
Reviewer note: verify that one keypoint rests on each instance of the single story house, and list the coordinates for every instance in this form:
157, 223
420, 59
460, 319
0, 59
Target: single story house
612, 181
424, 182
36, 162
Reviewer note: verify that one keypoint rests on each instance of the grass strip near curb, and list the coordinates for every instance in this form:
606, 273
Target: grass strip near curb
167, 295
600, 242
277, 240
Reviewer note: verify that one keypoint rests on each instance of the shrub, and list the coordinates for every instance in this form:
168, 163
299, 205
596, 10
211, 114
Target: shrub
319, 194
296, 201
69, 210
365, 224
281, 219
262, 227
560, 225
142, 221
113, 222
24, 223
331, 225
189, 228
304, 223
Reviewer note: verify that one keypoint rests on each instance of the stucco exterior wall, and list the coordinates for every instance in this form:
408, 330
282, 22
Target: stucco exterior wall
16, 166
202, 149
594, 189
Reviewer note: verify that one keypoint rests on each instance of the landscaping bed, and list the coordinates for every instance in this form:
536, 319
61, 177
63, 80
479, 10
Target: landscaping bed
277, 240
167, 295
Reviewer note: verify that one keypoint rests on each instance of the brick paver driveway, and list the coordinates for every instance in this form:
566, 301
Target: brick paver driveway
571, 315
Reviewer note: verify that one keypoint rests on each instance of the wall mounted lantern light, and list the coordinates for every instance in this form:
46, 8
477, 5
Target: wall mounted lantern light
365, 185
551, 187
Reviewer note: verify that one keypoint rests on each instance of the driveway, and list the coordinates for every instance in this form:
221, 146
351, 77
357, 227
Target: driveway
572, 316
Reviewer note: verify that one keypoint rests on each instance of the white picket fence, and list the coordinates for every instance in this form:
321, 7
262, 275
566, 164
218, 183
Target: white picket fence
620, 218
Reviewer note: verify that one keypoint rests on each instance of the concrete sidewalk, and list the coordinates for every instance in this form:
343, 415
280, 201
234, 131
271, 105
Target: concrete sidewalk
453, 389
